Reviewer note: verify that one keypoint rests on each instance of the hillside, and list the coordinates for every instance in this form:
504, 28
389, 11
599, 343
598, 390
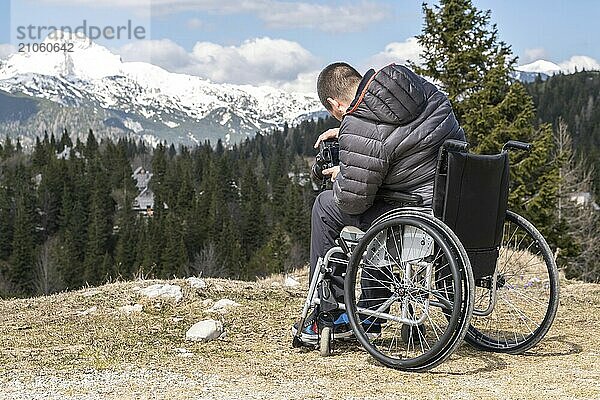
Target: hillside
576, 99
80, 345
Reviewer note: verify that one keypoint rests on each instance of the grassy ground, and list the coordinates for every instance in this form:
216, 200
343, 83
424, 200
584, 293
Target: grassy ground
79, 345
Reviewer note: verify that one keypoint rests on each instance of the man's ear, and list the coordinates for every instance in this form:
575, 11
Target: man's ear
335, 105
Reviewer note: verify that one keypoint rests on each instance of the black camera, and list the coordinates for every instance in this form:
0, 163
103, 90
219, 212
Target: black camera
327, 157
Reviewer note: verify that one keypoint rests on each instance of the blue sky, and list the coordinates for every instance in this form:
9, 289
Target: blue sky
285, 43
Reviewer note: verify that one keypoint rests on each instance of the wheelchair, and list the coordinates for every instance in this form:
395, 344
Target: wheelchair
421, 279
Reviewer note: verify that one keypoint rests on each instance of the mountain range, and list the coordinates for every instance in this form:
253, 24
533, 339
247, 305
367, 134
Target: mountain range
542, 68
91, 87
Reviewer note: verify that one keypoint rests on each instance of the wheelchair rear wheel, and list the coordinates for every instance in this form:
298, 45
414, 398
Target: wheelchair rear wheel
409, 270
526, 295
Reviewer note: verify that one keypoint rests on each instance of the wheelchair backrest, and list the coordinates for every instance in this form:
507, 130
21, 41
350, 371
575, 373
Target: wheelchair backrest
470, 196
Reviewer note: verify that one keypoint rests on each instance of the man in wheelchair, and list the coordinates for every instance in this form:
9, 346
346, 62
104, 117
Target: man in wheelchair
393, 123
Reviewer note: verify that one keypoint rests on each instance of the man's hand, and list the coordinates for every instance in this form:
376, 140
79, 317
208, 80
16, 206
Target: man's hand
328, 134
333, 171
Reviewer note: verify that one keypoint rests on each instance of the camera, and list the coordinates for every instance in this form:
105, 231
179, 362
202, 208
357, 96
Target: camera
327, 157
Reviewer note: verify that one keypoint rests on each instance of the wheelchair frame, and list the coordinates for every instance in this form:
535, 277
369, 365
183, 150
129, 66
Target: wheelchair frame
351, 237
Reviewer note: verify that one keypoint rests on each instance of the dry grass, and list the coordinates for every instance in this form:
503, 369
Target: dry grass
51, 349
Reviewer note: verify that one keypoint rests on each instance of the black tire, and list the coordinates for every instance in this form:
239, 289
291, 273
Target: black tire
325, 342
527, 294
449, 293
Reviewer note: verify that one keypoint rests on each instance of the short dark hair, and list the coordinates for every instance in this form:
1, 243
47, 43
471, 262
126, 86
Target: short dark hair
337, 80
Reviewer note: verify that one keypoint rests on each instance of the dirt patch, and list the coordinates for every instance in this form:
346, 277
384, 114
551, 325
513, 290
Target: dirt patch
79, 345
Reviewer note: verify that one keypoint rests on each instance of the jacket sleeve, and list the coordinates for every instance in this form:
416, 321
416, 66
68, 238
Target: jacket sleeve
363, 166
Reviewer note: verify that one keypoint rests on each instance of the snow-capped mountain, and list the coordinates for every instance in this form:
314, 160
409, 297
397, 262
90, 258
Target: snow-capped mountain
542, 68
91, 87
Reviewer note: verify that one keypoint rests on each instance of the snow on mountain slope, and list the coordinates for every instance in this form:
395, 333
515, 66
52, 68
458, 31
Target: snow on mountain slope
170, 106
540, 67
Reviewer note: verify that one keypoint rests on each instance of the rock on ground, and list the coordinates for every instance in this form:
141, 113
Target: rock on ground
290, 282
204, 331
222, 305
90, 310
164, 291
196, 283
128, 309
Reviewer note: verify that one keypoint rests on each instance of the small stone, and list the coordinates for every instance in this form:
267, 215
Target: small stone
290, 282
183, 352
196, 283
204, 331
222, 305
129, 309
206, 302
164, 291
88, 311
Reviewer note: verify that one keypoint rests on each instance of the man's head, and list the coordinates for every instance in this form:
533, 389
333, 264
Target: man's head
336, 86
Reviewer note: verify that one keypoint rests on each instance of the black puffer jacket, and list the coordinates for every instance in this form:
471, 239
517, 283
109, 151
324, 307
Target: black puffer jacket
390, 138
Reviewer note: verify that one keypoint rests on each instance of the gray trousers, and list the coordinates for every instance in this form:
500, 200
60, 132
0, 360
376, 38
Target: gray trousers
327, 222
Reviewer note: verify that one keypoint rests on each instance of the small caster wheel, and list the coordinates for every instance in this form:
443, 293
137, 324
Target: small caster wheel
296, 342
325, 342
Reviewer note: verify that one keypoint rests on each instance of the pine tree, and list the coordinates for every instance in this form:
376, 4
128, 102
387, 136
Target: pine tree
49, 195
297, 216
65, 141
91, 145
462, 53
8, 149
174, 256
100, 224
253, 218
22, 259
126, 240
6, 219
272, 257
157, 183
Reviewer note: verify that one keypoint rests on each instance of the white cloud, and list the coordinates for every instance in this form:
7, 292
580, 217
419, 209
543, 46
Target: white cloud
347, 17
261, 61
6, 49
164, 53
194, 23
579, 63
534, 54
255, 61
305, 82
397, 52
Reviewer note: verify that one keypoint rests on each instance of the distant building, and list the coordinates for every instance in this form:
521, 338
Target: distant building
584, 199
301, 178
144, 201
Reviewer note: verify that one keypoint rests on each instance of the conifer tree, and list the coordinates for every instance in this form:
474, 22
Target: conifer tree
253, 227
271, 257
174, 256
462, 53
65, 141
99, 226
6, 220
91, 145
8, 148
22, 259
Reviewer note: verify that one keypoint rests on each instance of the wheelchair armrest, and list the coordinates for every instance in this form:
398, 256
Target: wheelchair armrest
455, 145
515, 144
392, 197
